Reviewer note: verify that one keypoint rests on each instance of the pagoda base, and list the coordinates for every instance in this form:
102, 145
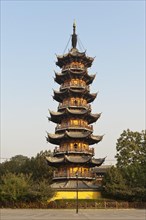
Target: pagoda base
72, 194
68, 190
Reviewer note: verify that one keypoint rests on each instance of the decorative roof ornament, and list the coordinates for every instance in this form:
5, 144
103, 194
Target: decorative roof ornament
74, 36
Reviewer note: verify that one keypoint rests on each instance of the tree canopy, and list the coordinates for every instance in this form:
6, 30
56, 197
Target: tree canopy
26, 179
127, 180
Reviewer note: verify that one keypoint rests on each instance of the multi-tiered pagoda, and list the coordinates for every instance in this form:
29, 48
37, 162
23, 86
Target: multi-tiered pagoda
73, 157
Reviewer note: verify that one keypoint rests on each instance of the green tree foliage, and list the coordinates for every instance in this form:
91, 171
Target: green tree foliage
36, 166
131, 149
20, 187
40, 191
14, 165
127, 180
24, 179
14, 187
114, 183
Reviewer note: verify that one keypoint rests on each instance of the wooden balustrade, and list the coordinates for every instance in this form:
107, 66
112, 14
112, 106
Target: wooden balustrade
86, 174
73, 67
66, 85
69, 149
70, 104
67, 126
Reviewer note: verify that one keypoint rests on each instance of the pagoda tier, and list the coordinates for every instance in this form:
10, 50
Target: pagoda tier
84, 93
74, 56
74, 160
71, 72
70, 135
85, 113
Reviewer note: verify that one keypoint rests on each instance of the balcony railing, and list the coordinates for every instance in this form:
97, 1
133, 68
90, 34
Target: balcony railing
68, 149
70, 104
73, 67
70, 126
73, 85
87, 174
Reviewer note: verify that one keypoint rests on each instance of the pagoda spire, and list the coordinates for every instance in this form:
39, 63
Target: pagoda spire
74, 36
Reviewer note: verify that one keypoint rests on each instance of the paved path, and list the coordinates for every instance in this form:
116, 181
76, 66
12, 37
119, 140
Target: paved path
60, 214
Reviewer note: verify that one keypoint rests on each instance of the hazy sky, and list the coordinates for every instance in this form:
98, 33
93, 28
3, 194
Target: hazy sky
32, 32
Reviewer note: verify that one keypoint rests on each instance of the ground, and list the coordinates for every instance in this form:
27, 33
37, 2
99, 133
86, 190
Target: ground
68, 214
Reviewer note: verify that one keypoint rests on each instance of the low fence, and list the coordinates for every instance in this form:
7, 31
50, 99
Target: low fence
85, 204
71, 204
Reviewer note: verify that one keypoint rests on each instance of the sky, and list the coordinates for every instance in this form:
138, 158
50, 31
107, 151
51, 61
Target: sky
33, 32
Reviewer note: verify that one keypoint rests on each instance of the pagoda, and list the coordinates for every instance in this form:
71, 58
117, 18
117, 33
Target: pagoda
73, 157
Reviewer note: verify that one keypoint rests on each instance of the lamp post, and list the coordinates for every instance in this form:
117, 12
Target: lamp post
77, 205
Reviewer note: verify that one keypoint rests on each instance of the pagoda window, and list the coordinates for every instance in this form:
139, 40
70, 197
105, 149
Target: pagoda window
79, 144
84, 101
79, 170
75, 102
76, 64
65, 101
82, 83
70, 170
71, 146
85, 147
72, 100
75, 169
75, 122
75, 146
74, 81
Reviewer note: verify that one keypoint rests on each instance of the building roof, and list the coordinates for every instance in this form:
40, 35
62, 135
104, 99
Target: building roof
102, 169
68, 73
74, 55
86, 135
72, 184
80, 159
84, 113
83, 92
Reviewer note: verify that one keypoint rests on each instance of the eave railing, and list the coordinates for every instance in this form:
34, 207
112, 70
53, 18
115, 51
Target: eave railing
73, 126
58, 174
68, 149
73, 85
77, 105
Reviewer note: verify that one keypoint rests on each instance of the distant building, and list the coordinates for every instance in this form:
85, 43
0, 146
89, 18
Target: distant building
100, 173
73, 158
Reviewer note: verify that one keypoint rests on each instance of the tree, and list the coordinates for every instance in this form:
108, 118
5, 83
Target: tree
24, 179
21, 188
40, 192
128, 179
14, 187
114, 184
131, 157
14, 165
131, 149
36, 166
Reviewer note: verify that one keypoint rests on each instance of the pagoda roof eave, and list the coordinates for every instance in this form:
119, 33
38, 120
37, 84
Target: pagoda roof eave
60, 95
57, 116
97, 162
86, 160
74, 54
71, 184
61, 77
90, 138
